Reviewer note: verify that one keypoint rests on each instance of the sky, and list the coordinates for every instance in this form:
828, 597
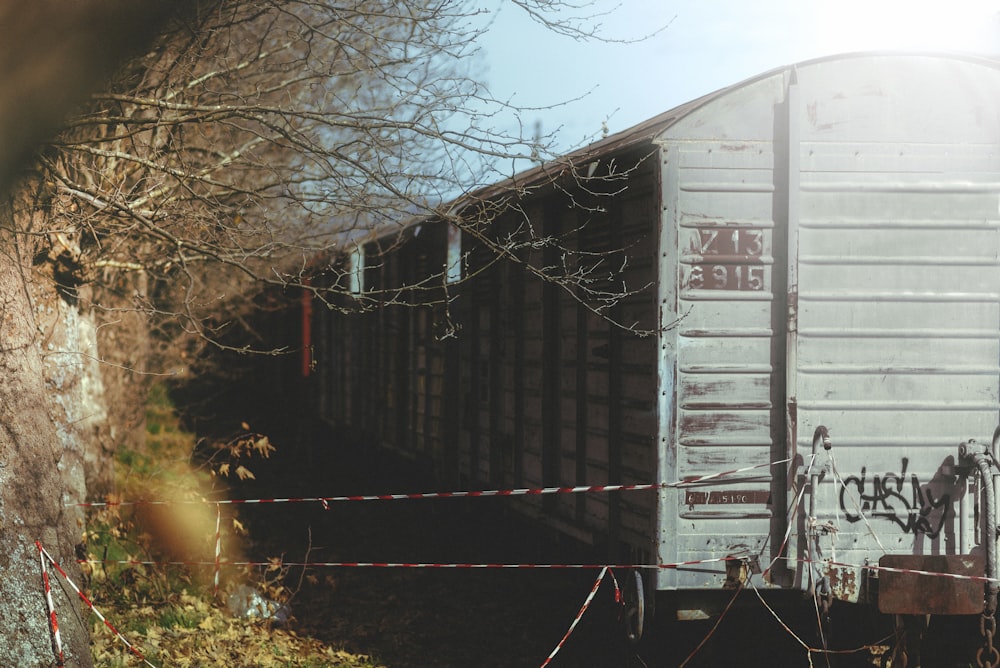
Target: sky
706, 45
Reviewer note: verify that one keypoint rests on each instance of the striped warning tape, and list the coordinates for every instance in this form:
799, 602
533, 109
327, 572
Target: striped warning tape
401, 564
218, 548
908, 571
131, 648
679, 565
527, 491
579, 615
325, 500
53, 622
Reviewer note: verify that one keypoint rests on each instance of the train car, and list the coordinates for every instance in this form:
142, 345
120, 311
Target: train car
815, 254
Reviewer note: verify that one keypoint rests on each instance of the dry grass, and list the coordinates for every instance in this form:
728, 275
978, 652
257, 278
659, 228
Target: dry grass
169, 612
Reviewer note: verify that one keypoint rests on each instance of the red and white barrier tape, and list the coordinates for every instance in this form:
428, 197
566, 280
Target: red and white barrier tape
579, 615
218, 548
907, 571
53, 622
679, 565
528, 491
131, 648
325, 500
401, 564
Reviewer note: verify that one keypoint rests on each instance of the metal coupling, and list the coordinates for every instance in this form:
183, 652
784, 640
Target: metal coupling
971, 451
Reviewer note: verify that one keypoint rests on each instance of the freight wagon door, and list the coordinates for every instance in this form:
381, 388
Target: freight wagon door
725, 343
893, 318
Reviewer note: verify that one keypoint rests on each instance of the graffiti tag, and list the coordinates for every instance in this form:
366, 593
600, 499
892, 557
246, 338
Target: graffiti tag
905, 502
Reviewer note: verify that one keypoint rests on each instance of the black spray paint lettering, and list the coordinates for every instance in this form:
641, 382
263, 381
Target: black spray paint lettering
888, 496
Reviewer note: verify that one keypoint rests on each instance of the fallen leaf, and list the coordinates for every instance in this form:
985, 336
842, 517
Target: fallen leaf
244, 473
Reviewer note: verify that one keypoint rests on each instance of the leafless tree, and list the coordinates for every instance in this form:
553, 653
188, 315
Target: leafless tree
245, 140
263, 134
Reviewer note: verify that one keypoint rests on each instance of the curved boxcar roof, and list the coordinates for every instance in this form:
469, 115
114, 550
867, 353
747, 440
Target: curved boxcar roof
886, 97
950, 97
947, 95
969, 84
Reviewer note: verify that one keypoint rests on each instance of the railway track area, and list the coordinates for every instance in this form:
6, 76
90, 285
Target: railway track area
416, 617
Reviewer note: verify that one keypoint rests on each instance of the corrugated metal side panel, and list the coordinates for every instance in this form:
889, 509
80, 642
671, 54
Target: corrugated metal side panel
557, 394
480, 356
484, 368
898, 337
637, 421
388, 323
373, 391
532, 373
320, 367
725, 352
594, 360
567, 378
337, 346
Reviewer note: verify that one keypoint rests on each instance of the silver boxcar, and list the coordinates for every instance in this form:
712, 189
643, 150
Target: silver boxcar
830, 235
822, 244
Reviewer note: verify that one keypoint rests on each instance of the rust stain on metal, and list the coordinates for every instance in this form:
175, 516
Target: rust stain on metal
916, 594
722, 423
792, 429
844, 583
811, 113
793, 412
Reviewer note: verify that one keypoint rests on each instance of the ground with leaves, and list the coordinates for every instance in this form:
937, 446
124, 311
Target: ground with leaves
170, 613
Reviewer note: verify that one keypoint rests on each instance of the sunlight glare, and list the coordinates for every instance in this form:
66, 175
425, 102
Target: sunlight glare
961, 25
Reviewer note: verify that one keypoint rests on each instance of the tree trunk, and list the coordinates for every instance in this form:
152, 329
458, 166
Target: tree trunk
43, 405
54, 427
